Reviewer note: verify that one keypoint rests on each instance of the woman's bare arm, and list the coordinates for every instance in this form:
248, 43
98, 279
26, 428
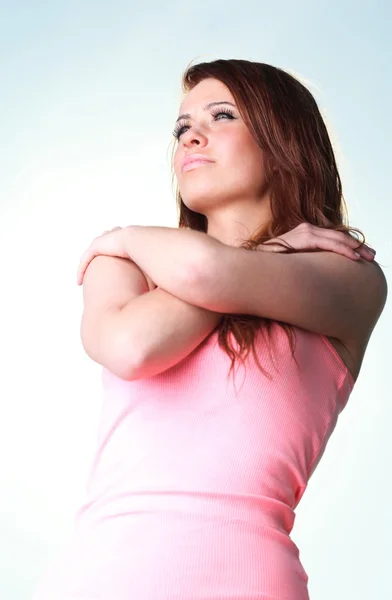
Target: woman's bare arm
109, 284
134, 332
163, 328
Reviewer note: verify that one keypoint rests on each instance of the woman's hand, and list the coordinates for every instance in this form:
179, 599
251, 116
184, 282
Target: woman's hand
309, 237
111, 243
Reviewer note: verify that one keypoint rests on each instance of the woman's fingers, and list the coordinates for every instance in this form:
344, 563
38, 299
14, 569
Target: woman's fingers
346, 244
339, 236
365, 251
345, 249
340, 243
310, 237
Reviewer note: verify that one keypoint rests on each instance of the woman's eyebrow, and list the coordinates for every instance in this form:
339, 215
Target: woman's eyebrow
208, 106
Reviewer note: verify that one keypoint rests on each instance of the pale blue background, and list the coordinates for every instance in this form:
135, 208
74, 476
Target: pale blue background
89, 95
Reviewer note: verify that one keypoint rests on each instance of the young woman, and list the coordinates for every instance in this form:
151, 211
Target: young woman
195, 481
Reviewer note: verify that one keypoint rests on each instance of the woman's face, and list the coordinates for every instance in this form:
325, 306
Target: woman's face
233, 183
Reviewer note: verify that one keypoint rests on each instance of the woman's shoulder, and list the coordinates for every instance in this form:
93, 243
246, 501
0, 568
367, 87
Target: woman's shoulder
352, 351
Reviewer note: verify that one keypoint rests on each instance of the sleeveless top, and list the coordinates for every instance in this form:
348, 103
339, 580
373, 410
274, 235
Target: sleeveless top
196, 476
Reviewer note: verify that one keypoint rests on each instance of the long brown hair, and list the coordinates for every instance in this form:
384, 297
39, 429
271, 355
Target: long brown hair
304, 181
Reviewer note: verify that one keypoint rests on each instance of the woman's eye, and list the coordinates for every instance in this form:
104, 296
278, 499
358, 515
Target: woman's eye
179, 129
220, 113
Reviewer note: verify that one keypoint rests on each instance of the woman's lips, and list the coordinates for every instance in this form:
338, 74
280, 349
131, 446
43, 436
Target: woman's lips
196, 163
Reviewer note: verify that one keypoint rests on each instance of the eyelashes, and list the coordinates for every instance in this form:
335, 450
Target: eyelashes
178, 130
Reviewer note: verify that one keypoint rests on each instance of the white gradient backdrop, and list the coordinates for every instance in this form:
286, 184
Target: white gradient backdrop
89, 92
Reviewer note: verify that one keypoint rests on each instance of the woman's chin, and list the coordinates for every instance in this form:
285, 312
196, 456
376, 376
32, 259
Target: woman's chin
198, 204
202, 198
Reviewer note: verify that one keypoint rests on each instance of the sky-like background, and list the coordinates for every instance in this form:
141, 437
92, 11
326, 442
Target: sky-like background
89, 92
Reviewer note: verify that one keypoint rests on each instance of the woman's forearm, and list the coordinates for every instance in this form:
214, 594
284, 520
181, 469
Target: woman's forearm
159, 330
169, 256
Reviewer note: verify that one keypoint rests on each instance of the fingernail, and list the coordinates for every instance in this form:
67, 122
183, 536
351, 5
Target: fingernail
372, 251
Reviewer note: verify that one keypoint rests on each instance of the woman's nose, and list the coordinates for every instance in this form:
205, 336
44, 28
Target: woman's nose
193, 135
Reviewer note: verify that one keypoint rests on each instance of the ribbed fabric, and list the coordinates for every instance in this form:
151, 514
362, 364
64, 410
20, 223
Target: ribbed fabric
195, 479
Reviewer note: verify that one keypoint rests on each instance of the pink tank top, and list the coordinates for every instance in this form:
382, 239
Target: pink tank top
195, 479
